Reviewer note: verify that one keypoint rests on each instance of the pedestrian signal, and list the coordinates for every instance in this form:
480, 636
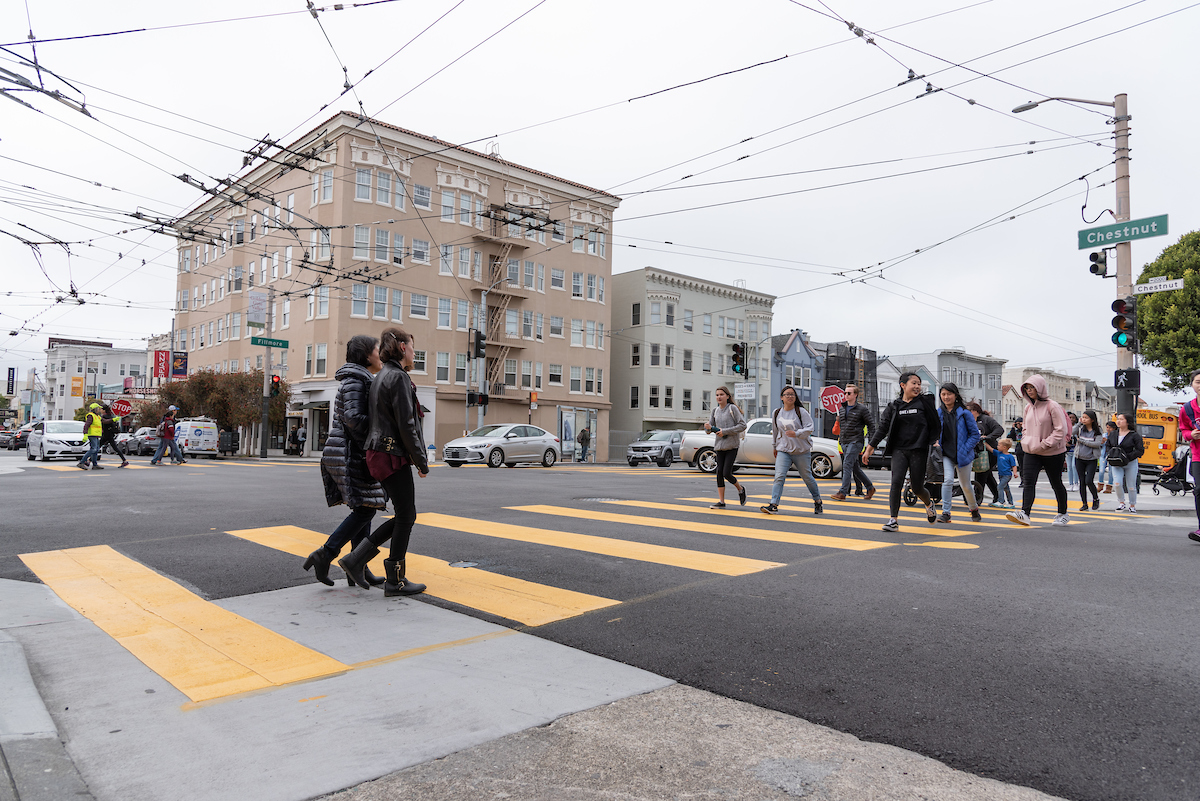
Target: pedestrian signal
739, 358
1099, 263
1125, 323
276, 381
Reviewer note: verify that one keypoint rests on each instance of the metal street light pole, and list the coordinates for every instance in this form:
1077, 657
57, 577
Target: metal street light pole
1126, 398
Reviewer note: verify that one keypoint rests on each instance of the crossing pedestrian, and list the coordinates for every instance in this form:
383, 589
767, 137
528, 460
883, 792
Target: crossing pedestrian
1015, 432
958, 438
110, 426
1125, 447
1189, 424
990, 432
93, 428
791, 442
166, 439
1105, 469
1088, 441
910, 423
395, 445
1006, 465
726, 423
344, 471
855, 425
1072, 475
1045, 435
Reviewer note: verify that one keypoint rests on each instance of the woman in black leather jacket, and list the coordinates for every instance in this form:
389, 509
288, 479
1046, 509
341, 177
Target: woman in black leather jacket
395, 444
343, 461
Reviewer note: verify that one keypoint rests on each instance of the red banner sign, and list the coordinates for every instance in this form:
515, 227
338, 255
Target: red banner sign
162, 363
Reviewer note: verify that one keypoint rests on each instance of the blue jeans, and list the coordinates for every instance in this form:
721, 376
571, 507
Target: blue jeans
855, 469
1105, 472
162, 448
1005, 494
1125, 476
93, 451
1072, 473
949, 468
352, 530
583, 453
783, 463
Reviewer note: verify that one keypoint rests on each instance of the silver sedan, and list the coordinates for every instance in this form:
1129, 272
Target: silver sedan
505, 444
755, 450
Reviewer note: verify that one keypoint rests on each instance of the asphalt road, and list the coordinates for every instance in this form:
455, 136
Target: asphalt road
1061, 659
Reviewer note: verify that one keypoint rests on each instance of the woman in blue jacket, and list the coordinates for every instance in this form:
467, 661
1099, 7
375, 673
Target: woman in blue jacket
959, 436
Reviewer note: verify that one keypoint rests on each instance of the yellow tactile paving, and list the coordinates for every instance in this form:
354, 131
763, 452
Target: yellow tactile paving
203, 650
842, 543
625, 549
511, 598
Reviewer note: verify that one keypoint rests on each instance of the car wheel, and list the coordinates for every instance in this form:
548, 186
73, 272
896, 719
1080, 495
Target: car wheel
706, 460
549, 458
632, 462
666, 459
29, 453
455, 464
42, 454
822, 465
510, 464
495, 458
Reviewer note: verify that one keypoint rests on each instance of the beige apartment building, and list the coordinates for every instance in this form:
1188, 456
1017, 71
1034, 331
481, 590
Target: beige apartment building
359, 225
1068, 390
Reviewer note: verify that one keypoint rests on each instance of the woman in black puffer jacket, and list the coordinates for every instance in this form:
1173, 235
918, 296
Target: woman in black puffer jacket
343, 461
990, 432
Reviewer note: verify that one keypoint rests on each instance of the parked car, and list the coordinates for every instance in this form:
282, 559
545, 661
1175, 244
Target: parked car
56, 439
661, 446
122, 441
505, 444
197, 435
143, 442
20, 439
877, 461
6, 436
755, 450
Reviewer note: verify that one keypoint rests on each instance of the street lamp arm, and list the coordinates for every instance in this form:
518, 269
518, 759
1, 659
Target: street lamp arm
1035, 103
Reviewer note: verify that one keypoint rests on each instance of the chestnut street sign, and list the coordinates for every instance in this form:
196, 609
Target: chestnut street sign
1123, 232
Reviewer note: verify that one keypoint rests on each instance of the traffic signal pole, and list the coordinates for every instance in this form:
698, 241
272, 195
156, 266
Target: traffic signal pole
1126, 398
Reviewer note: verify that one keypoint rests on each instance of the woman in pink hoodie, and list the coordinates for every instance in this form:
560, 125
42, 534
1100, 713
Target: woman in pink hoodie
1045, 444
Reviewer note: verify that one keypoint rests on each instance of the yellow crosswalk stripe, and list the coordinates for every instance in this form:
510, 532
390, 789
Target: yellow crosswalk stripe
626, 549
835, 508
988, 513
843, 543
512, 598
203, 650
880, 511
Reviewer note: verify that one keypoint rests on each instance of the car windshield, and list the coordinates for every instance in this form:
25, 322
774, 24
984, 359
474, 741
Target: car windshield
655, 436
489, 431
65, 427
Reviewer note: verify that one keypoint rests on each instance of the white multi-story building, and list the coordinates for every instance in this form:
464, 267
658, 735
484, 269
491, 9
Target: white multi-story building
979, 378
69, 385
672, 346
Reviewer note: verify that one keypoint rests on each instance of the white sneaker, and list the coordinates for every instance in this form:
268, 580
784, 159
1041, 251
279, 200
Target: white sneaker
1018, 516
1061, 520
1122, 508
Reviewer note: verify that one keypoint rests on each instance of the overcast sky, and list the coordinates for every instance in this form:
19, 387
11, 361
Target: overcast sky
796, 175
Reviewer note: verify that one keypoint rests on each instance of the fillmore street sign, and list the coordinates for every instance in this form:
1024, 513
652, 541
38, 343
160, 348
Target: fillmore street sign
1123, 232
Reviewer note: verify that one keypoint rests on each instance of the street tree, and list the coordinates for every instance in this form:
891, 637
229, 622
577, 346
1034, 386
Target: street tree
1169, 322
231, 399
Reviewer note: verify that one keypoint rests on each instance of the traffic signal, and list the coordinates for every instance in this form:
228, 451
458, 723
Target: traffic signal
276, 381
739, 358
1125, 323
1099, 263
479, 350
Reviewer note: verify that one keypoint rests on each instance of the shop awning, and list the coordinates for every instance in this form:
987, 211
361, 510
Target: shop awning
315, 405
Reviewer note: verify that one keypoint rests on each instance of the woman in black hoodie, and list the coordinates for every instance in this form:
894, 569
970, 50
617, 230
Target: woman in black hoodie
911, 426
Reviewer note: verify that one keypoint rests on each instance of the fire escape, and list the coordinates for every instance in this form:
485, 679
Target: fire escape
502, 289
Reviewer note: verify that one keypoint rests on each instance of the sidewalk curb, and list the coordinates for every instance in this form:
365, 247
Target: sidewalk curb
34, 764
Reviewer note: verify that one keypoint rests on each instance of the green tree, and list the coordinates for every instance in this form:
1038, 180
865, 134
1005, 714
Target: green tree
4, 399
1169, 322
232, 399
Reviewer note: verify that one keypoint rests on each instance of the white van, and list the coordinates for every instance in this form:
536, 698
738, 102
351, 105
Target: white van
197, 435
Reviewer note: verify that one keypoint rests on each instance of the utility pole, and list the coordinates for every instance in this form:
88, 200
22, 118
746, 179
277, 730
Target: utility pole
266, 401
1126, 398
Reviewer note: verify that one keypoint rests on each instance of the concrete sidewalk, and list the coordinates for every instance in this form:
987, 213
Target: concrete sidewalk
436, 702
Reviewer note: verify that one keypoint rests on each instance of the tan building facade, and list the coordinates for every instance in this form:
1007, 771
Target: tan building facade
360, 225
1069, 390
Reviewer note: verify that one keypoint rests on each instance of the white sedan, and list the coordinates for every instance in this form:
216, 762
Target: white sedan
57, 439
506, 444
755, 450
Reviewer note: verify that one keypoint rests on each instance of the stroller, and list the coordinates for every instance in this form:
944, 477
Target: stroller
1175, 480
934, 475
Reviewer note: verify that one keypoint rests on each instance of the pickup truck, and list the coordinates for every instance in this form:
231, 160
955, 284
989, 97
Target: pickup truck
755, 450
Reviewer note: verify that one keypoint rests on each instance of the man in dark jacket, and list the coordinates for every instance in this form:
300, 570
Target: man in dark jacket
110, 426
853, 419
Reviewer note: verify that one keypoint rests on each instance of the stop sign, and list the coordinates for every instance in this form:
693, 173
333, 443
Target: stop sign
121, 407
831, 397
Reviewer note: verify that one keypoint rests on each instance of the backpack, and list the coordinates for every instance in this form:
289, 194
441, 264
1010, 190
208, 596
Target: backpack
161, 431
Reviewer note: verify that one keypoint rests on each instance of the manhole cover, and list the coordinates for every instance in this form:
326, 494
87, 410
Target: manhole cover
464, 564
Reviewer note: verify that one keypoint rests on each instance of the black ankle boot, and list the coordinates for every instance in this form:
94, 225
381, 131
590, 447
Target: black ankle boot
318, 560
396, 583
371, 578
355, 562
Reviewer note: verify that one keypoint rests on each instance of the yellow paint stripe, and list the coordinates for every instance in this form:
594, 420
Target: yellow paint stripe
203, 650
945, 544
625, 549
987, 512
512, 598
843, 543
879, 516
846, 508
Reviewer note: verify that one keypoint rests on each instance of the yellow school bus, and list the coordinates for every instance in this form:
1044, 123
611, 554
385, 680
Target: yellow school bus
1160, 433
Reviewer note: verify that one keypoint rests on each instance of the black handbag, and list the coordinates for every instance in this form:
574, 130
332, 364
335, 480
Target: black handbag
1117, 456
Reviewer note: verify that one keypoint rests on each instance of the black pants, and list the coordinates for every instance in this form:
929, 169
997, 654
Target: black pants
356, 526
111, 439
400, 489
1086, 468
913, 463
725, 460
988, 480
1031, 465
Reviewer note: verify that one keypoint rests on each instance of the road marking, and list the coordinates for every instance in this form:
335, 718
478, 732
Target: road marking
512, 598
843, 543
205, 651
944, 544
918, 511
839, 508
625, 549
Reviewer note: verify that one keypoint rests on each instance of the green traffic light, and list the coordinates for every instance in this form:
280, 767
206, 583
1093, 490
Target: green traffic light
1122, 339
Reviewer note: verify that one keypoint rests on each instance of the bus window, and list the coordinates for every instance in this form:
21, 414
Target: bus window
1151, 432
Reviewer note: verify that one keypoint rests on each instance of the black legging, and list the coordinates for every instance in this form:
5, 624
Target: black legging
400, 489
913, 463
725, 460
988, 480
1031, 465
1086, 468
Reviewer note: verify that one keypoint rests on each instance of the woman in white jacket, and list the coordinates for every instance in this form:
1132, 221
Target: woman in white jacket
791, 432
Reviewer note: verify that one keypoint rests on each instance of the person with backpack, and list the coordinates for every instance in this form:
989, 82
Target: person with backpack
93, 428
1189, 425
726, 423
1088, 441
110, 426
791, 442
911, 425
1125, 447
584, 439
166, 439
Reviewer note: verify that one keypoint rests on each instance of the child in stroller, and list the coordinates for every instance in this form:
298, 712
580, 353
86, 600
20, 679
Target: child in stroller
934, 476
1174, 480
